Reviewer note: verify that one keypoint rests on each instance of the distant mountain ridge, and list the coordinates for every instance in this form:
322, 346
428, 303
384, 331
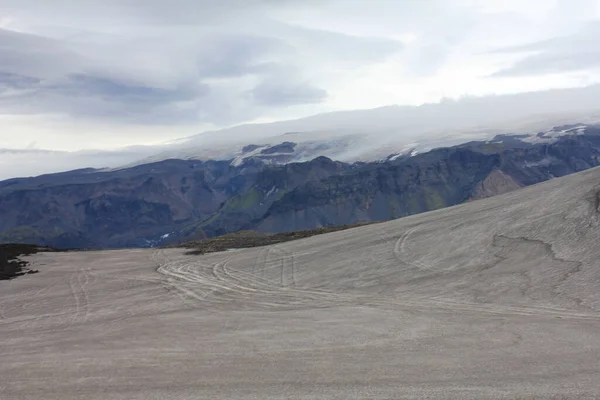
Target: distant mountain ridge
349, 146
264, 190
366, 135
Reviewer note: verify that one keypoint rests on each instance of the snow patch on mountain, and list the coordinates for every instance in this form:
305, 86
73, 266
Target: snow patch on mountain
552, 135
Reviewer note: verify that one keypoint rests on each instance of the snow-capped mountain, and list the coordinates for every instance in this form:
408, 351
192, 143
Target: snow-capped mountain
171, 200
300, 147
375, 134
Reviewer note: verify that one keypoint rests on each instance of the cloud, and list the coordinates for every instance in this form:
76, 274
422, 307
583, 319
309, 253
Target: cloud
87, 89
33, 162
280, 94
231, 56
340, 48
569, 53
82, 95
9, 81
110, 73
27, 151
34, 55
24, 163
552, 62
155, 63
147, 12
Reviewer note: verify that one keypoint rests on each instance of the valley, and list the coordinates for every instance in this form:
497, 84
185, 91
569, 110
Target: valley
174, 201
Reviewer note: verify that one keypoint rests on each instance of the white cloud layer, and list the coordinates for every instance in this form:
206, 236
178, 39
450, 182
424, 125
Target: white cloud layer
109, 73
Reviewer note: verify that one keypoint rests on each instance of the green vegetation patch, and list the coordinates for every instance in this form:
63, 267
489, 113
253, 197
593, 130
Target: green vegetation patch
19, 234
247, 239
247, 200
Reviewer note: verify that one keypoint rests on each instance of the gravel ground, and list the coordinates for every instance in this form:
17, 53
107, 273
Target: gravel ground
494, 299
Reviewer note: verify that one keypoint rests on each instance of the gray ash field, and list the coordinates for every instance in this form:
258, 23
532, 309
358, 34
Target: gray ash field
493, 299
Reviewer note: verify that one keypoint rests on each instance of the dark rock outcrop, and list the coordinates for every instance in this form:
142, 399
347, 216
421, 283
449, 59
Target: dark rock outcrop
285, 147
11, 264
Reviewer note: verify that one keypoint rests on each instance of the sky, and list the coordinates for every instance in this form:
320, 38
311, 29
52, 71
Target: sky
106, 74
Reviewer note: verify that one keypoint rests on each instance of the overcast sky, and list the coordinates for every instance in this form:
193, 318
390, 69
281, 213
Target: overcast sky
81, 74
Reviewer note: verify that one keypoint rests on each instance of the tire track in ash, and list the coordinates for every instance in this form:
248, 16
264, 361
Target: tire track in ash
401, 253
191, 282
196, 280
283, 262
78, 282
175, 278
30, 295
288, 279
319, 297
86, 280
259, 261
246, 290
267, 293
273, 293
451, 305
226, 289
425, 279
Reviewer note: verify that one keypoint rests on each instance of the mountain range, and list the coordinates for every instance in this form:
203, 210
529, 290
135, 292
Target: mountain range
348, 136
266, 190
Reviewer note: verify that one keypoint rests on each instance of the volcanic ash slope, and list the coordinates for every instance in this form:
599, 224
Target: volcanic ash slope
498, 298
